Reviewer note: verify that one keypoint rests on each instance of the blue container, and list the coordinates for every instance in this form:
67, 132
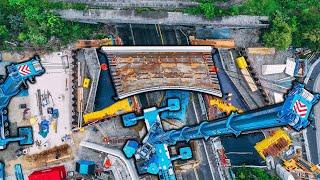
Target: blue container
85, 167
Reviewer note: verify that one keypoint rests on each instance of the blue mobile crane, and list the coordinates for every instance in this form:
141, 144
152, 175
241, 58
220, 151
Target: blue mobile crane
152, 155
17, 77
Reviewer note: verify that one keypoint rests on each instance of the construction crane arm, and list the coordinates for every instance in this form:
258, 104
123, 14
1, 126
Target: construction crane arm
294, 112
17, 77
277, 115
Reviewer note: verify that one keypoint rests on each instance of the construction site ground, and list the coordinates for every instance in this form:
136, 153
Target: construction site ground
111, 133
58, 75
98, 133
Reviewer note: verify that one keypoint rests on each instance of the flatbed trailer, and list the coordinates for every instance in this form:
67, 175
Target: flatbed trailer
243, 66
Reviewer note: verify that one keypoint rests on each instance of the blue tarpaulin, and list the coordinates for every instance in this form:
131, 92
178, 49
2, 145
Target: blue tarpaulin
105, 90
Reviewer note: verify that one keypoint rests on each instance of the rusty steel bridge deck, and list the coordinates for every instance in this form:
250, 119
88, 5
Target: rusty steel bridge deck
141, 71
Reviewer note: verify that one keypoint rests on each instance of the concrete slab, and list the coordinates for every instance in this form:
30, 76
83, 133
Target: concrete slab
56, 81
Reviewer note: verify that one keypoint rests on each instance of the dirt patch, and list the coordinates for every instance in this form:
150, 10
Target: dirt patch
50, 156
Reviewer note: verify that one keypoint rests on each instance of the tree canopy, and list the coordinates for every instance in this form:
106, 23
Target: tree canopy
279, 35
245, 173
33, 23
300, 20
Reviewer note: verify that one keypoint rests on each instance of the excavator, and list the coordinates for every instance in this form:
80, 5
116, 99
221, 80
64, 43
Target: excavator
153, 157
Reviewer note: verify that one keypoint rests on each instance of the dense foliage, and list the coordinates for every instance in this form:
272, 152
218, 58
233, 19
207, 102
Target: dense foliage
279, 35
300, 20
245, 173
32, 23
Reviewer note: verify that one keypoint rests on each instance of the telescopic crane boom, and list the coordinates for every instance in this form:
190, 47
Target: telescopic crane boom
152, 155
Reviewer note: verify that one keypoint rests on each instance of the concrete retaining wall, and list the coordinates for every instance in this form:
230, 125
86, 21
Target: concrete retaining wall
155, 17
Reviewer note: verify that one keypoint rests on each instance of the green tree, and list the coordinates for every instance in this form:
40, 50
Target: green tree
280, 34
33, 13
19, 3
208, 9
15, 24
313, 35
54, 23
312, 39
242, 176
245, 173
22, 37
32, 22
37, 39
4, 33
302, 18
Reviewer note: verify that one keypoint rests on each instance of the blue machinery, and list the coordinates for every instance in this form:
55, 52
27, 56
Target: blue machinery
152, 155
16, 81
18, 172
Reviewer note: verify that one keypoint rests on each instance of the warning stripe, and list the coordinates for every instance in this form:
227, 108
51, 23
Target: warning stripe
300, 108
24, 70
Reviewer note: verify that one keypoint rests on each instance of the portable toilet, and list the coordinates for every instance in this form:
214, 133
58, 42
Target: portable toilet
130, 148
85, 167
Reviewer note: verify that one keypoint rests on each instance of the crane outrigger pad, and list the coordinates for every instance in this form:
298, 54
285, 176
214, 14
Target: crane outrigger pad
27, 133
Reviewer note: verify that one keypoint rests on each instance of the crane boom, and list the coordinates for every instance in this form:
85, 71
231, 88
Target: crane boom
233, 124
152, 155
18, 75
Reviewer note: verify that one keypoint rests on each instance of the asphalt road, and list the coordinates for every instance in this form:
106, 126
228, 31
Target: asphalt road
194, 116
186, 175
137, 34
314, 134
205, 151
